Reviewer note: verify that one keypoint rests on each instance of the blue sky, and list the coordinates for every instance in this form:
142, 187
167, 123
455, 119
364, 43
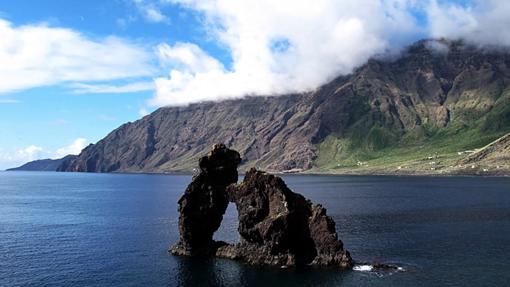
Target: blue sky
75, 70
53, 116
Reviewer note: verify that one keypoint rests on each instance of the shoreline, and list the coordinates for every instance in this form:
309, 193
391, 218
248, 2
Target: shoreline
301, 173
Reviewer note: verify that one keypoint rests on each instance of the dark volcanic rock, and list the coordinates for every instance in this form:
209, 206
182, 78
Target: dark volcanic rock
280, 227
205, 200
277, 226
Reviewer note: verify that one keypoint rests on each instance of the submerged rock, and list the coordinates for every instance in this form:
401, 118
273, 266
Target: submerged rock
276, 226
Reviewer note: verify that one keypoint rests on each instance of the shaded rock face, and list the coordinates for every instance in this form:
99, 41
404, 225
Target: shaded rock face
276, 226
205, 200
280, 227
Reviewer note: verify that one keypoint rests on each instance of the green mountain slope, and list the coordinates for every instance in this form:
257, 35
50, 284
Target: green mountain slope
427, 111
422, 112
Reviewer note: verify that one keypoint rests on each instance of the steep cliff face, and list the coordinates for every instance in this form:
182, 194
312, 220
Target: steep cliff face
437, 94
262, 129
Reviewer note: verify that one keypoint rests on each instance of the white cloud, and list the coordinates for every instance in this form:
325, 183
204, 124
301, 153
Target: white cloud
150, 11
276, 47
20, 156
30, 153
82, 88
291, 46
279, 46
74, 148
39, 55
481, 22
33, 152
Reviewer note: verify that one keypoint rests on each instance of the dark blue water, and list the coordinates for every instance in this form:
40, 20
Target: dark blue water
65, 229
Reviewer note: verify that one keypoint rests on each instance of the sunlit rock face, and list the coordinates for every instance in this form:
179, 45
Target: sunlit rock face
276, 226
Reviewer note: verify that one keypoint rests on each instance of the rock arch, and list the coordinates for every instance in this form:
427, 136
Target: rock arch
276, 225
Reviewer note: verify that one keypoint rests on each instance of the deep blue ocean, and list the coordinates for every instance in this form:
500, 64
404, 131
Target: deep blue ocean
73, 229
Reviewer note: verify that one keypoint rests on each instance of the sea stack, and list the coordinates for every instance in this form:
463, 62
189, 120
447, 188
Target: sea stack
276, 225
204, 202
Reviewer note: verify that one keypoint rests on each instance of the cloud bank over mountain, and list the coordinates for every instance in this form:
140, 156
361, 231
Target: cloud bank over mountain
294, 46
274, 47
479, 22
280, 46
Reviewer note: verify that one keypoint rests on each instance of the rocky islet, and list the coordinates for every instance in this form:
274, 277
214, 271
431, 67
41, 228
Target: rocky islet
277, 226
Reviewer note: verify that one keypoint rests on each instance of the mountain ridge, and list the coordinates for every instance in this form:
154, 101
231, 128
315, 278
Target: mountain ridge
445, 101
42, 164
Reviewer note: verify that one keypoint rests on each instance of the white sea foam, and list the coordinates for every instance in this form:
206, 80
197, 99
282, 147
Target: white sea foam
369, 268
363, 268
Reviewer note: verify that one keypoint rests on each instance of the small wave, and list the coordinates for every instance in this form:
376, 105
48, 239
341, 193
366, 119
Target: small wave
363, 268
378, 268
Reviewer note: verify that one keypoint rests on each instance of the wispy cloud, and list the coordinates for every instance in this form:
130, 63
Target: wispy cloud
123, 22
106, 118
150, 11
9, 101
60, 122
82, 88
39, 55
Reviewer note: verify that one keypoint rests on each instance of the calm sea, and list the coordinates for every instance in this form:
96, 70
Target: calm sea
71, 229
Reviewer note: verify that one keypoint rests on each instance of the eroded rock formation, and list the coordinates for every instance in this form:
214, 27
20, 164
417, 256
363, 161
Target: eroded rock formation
276, 226
205, 200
